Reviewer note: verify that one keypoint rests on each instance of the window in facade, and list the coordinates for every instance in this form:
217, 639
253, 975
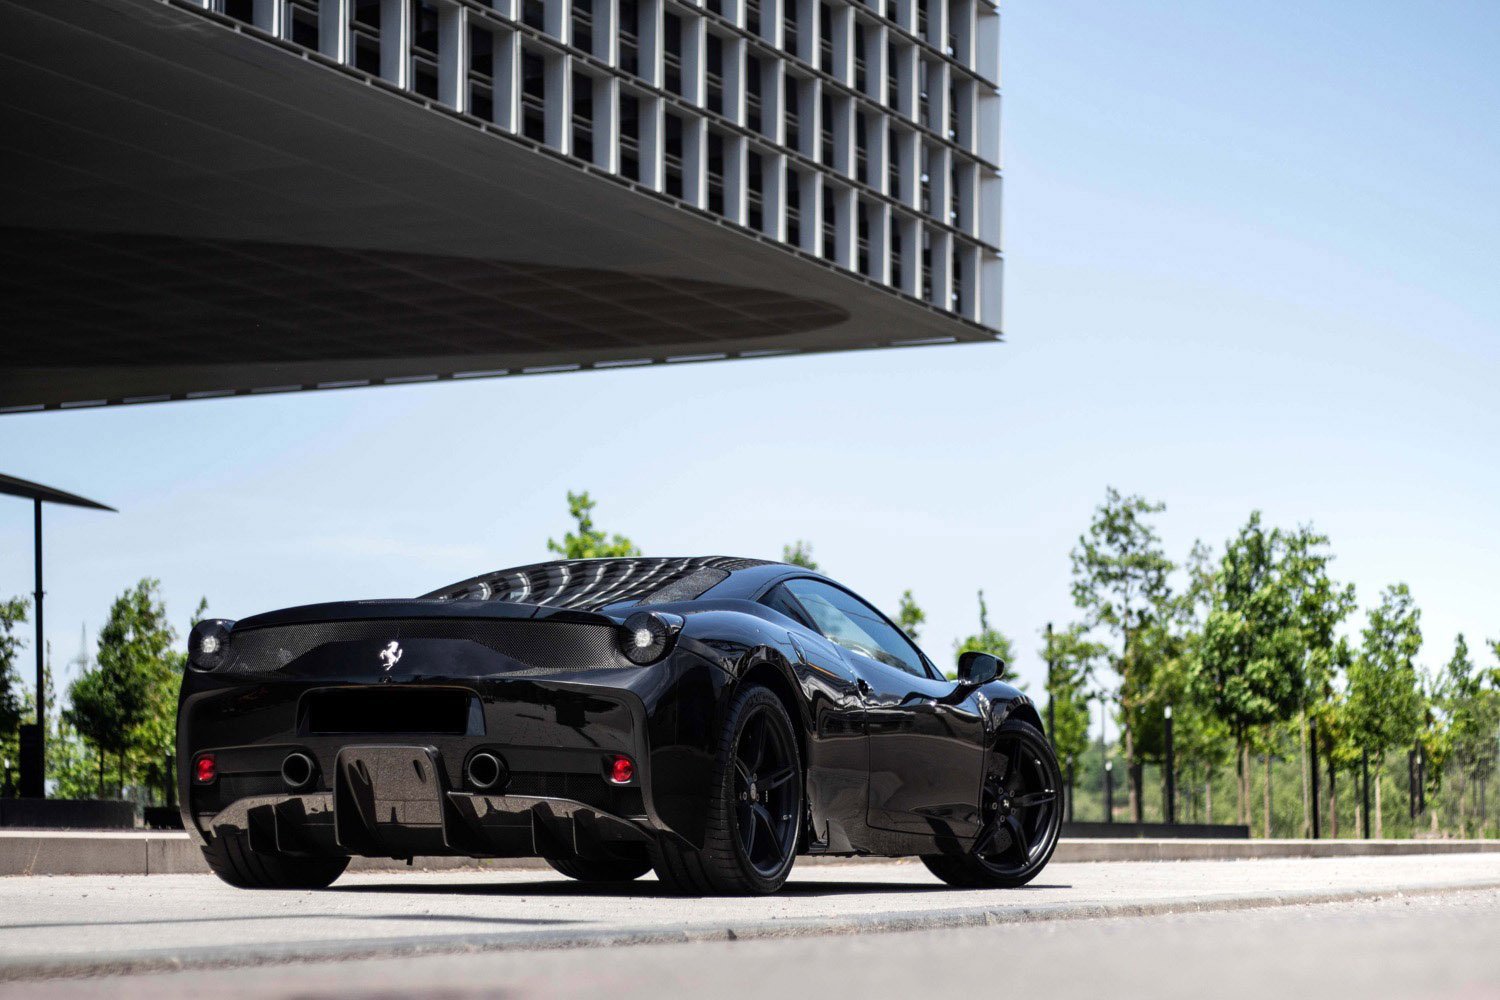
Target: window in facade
862, 256
533, 95
534, 14
583, 116
825, 154
583, 25
753, 81
302, 22
672, 158
714, 74
481, 73
755, 190
830, 222
629, 37
424, 48
715, 171
794, 208
630, 136
672, 52
364, 36
861, 150
825, 36
793, 91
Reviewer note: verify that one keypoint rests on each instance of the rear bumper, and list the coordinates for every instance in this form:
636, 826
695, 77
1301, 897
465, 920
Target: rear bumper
469, 824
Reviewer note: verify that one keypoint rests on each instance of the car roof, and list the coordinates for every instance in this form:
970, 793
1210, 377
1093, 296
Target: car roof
597, 583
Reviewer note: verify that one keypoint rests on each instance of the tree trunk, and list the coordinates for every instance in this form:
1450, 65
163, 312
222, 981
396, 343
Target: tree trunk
120, 774
1333, 799
1267, 793
1378, 810
101, 772
1306, 779
1208, 798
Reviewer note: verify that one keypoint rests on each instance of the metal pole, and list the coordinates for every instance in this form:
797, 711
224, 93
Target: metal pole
40, 780
1051, 693
1421, 778
1070, 788
1364, 780
1109, 791
1317, 804
1171, 772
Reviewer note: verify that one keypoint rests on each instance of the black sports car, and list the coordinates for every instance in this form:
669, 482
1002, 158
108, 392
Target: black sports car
710, 718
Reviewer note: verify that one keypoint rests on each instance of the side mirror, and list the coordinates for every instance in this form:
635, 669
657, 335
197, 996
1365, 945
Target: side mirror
975, 668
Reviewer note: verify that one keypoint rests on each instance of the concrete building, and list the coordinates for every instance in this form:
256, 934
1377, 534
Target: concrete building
211, 197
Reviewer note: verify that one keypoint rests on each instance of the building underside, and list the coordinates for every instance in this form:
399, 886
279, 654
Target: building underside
193, 211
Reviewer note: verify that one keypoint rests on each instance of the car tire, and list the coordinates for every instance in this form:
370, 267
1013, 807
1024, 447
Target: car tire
232, 860
724, 866
972, 871
618, 869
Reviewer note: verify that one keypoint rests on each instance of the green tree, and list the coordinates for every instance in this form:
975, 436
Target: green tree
1071, 660
155, 737
1385, 704
110, 702
987, 640
1249, 662
1470, 702
799, 553
1320, 606
12, 701
587, 541
909, 616
1120, 583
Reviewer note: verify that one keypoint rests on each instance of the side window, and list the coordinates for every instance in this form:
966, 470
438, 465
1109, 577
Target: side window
780, 600
856, 626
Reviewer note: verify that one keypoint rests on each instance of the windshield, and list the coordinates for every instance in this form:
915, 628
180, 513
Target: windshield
593, 584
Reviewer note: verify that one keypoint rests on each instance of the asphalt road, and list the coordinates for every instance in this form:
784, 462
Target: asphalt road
1394, 946
100, 924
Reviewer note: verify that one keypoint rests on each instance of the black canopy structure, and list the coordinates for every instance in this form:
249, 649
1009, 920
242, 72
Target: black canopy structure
34, 737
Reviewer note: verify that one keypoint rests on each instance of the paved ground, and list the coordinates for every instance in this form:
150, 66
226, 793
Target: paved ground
96, 924
1391, 947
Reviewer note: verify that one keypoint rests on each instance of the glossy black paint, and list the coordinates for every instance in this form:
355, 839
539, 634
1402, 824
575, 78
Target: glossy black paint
894, 762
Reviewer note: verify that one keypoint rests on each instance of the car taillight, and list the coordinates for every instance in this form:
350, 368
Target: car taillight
621, 770
206, 769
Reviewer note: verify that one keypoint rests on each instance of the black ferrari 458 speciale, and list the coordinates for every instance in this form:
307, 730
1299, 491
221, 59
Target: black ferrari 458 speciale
711, 718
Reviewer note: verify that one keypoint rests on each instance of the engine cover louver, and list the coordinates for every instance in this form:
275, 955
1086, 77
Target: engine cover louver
536, 646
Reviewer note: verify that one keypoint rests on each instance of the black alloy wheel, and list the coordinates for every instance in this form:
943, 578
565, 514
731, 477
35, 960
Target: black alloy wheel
766, 790
1021, 809
754, 819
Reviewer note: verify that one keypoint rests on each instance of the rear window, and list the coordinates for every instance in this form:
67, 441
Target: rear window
592, 584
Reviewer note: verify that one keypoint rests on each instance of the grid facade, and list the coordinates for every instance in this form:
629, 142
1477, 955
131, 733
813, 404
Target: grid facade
863, 133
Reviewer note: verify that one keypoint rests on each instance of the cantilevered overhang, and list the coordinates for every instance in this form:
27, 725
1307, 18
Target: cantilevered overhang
194, 210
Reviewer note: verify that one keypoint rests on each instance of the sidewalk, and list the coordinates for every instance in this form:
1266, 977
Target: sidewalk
149, 852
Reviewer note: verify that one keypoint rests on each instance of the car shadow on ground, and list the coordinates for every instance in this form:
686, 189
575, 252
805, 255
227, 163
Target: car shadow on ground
647, 889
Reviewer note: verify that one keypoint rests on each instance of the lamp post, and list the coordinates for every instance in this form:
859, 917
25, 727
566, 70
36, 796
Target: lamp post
34, 735
1051, 692
1312, 742
1109, 791
1171, 771
1364, 780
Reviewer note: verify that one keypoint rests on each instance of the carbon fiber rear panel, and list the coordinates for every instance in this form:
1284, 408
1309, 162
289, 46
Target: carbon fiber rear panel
540, 646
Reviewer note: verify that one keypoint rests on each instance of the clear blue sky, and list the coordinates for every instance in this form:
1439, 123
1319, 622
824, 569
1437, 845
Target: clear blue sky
1252, 255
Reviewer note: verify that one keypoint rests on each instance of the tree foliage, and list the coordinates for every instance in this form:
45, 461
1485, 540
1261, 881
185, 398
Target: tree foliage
586, 541
910, 616
799, 553
1249, 662
1071, 660
110, 702
1385, 704
12, 701
987, 640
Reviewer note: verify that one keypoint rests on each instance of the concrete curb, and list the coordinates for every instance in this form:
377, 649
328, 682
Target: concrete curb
151, 852
125, 963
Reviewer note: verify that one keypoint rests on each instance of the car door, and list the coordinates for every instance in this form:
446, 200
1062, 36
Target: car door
926, 755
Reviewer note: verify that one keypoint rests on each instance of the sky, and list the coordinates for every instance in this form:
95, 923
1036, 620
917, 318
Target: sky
1251, 263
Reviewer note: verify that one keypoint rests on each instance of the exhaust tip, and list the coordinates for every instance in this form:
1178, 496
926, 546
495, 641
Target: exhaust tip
298, 770
484, 771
